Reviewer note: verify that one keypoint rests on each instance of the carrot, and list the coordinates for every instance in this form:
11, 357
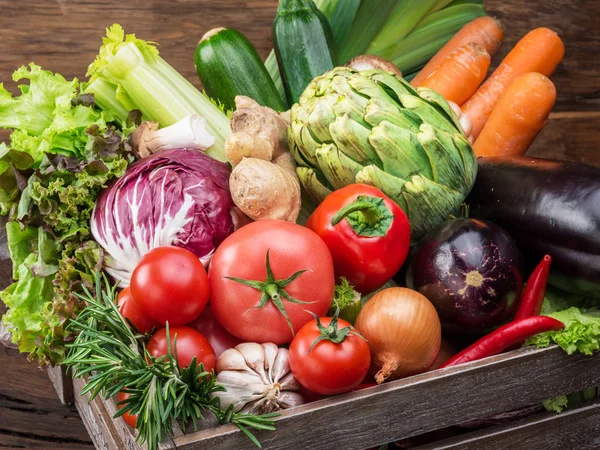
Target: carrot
460, 74
541, 50
484, 31
518, 117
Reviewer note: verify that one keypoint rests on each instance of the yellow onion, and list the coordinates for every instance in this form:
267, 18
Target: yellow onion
403, 331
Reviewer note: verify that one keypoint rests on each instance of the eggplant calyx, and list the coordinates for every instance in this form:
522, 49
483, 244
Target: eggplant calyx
332, 332
273, 290
367, 215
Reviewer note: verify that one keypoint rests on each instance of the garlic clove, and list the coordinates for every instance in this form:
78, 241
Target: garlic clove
281, 366
289, 399
271, 351
232, 359
247, 379
254, 354
289, 383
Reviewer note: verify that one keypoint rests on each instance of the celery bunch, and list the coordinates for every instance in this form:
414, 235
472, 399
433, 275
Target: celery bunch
129, 74
407, 32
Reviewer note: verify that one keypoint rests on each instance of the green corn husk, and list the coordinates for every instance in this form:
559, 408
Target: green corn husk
402, 20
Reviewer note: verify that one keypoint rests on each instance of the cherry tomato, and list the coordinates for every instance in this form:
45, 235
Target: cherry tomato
302, 280
131, 310
218, 337
128, 418
190, 343
171, 285
336, 364
367, 233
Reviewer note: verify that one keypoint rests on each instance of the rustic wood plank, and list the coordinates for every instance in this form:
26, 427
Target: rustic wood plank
417, 404
577, 428
63, 385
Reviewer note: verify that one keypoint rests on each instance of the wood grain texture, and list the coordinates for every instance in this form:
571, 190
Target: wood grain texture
64, 35
547, 431
418, 404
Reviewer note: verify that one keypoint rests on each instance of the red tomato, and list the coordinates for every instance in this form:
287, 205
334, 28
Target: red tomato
128, 418
131, 310
171, 285
329, 368
190, 343
252, 314
218, 337
368, 255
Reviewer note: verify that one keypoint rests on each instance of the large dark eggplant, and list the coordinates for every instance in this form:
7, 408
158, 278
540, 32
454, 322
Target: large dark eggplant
549, 207
471, 270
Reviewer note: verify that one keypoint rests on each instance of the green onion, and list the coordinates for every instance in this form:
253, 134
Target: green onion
429, 36
370, 17
401, 21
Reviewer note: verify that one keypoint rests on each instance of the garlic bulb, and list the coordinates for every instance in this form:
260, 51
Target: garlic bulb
258, 379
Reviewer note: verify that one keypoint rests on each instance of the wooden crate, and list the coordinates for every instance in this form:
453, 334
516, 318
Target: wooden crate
407, 408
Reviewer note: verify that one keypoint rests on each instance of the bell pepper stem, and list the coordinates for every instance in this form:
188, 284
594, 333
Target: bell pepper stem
370, 212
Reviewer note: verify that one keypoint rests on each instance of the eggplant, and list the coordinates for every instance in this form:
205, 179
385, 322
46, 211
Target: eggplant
549, 207
471, 270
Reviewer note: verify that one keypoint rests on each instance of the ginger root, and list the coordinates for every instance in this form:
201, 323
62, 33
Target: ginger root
264, 184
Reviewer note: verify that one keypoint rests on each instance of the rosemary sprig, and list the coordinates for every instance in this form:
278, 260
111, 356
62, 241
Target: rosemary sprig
114, 358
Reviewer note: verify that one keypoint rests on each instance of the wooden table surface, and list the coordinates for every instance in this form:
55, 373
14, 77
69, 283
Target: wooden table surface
64, 35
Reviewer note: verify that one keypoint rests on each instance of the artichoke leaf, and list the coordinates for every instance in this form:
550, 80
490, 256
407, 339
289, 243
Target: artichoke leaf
319, 119
429, 204
377, 111
400, 151
302, 143
469, 160
337, 168
388, 184
447, 163
428, 113
316, 190
353, 139
393, 84
348, 100
439, 102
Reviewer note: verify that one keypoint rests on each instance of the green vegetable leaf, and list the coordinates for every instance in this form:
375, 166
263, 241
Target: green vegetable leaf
581, 332
21, 243
556, 404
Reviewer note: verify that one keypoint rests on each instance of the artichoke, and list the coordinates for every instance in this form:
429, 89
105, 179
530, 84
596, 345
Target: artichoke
373, 127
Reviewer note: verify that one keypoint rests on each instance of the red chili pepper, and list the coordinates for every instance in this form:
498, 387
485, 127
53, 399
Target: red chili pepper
505, 337
367, 234
535, 291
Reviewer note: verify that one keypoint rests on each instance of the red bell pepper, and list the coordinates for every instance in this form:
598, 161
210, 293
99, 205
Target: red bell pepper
367, 233
535, 291
505, 337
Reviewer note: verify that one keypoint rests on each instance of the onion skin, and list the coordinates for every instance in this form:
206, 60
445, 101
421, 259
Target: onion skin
404, 333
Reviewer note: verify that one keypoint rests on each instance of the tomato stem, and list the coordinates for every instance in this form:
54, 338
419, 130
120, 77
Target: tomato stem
273, 290
333, 332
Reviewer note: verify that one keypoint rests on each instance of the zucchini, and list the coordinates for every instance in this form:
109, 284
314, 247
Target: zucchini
228, 65
303, 45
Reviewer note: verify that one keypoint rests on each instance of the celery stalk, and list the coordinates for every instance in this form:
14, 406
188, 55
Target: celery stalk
369, 19
401, 21
426, 37
105, 96
145, 81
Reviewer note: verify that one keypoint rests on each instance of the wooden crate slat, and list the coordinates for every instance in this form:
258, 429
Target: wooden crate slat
418, 404
62, 384
573, 429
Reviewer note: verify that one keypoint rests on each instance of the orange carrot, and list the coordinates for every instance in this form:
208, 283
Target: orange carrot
484, 31
460, 74
518, 117
541, 50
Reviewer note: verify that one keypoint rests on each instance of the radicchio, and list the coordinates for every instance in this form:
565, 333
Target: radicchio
175, 197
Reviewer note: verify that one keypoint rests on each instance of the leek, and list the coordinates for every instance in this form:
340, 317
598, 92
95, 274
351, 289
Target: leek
401, 21
147, 82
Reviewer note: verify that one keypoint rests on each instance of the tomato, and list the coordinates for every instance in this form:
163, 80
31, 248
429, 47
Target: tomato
190, 343
218, 337
254, 305
337, 363
131, 310
170, 285
367, 233
128, 418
